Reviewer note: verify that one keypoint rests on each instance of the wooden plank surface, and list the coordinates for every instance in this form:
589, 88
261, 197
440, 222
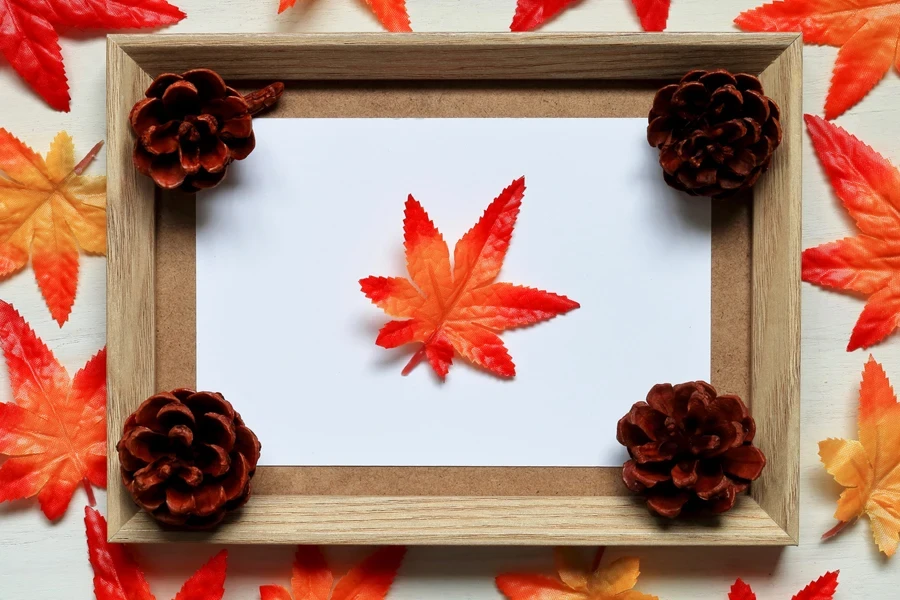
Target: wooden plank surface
130, 222
455, 56
508, 521
775, 351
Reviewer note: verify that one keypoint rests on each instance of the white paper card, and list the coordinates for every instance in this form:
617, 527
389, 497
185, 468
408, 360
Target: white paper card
285, 333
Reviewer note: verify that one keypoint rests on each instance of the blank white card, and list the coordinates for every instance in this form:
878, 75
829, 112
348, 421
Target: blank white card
284, 332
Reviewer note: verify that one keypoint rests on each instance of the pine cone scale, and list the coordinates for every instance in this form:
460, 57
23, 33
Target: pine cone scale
189, 156
239, 127
726, 500
145, 443
711, 485
173, 414
167, 172
212, 155
218, 430
181, 98
247, 445
240, 148
668, 506
213, 460
161, 139
207, 82
745, 462
236, 481
684, 475
654, 452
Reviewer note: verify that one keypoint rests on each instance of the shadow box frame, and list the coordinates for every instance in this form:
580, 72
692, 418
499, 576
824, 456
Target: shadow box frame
277, 513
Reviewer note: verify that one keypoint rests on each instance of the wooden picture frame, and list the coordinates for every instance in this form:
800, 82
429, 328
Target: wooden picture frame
276, 514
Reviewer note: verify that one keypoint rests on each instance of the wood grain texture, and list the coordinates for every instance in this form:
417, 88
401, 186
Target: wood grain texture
608, 520
130, 223
467, 521
775, 351
456, 56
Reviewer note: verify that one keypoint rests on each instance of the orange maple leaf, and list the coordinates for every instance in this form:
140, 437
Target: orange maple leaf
822, 588
391, 13
868, 185
311, 579
615, 581
870, 467
866, 31
460, 309
54, 434
117, 576
49, 207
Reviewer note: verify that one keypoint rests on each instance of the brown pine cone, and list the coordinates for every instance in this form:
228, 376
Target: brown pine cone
689, 448
191, 126
187, 458
715, 131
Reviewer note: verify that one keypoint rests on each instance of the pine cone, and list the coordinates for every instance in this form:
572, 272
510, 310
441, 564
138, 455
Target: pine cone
715, 131
689, 446
191, 126
187, 458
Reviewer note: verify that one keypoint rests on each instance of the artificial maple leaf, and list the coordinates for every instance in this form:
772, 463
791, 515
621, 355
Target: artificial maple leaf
50, 208
531, 14
574, 582
652, 13
866, 31
868, 185
117, 576
54, 434
870, 467
29, 40
459, 309
311, 579
822, 588
391, 13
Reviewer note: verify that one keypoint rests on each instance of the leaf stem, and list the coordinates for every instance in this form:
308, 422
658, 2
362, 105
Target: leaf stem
415, 360
835, 530
92, 500
81, 166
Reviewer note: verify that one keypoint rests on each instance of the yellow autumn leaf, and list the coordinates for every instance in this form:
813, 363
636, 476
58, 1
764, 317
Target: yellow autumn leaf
870, 467
49, 209
614, 581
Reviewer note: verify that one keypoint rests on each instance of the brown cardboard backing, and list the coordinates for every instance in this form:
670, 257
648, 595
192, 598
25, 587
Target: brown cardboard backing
731, 261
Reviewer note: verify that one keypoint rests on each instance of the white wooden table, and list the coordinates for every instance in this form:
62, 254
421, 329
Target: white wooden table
41, 561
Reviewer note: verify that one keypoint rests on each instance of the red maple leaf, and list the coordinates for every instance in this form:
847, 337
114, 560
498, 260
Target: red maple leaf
117, 576
868, 186
391, 13
531, 14
29, 40
54, 434
866, 31
460, 308
312, 579
822, 588
653, 13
